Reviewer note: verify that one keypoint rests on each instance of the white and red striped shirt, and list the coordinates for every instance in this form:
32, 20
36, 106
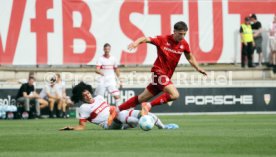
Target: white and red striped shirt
97, 112
107, 65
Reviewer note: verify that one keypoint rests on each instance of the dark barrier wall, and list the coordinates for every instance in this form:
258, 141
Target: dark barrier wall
196, 99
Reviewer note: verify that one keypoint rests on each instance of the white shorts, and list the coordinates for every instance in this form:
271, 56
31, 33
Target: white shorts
109, 85
272, 43
123, 115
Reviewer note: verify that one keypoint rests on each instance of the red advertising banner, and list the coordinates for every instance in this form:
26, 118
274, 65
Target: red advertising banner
61, 32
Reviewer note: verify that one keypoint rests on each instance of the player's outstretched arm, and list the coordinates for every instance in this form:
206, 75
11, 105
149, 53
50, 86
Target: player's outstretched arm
79, 127
191, 59
98, 71
138, 42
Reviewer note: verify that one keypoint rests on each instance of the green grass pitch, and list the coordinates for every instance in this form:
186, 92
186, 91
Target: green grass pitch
198, 136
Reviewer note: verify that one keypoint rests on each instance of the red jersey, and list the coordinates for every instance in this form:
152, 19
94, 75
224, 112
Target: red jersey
168, 54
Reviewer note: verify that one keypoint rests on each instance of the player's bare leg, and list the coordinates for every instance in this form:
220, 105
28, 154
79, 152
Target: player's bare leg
43, 103
145, 96
51, 106
172, 91
64, 106
59, 106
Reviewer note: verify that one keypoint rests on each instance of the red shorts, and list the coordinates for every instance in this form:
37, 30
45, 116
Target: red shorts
159, 82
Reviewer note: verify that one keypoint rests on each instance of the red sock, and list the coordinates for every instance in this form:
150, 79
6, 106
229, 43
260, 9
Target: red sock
132, 102
161, 99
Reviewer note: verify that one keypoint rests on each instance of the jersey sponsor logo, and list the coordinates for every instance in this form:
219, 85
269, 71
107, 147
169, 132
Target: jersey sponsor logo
101, 108
172, 51
219, 100
98, 110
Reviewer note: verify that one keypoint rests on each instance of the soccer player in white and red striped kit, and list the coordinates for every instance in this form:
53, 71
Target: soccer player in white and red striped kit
107, 68
169, 50
97, 111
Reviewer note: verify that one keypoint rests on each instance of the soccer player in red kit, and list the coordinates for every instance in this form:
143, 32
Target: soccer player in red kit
169, 50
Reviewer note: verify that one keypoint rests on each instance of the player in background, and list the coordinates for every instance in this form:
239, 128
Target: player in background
97, 111
107, 67
169, 50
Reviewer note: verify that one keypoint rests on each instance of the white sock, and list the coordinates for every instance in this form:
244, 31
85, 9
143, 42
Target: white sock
158, 122
117, 109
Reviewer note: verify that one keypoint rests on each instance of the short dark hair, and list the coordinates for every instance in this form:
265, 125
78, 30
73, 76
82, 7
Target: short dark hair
31, 78
247, 18
107, 45
253, 16
179, 26
78, 90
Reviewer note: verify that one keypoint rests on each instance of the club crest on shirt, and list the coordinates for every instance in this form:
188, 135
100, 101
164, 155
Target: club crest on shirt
181, 46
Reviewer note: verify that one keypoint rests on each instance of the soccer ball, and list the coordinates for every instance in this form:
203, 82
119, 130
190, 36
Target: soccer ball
146, 123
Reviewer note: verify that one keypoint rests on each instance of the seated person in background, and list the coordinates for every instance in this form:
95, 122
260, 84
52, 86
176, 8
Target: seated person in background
64, 99
49, 92
27, 95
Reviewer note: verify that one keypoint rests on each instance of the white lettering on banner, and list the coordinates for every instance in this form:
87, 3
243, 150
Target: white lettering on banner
47, 31
125, 95
219, 100
7, 101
